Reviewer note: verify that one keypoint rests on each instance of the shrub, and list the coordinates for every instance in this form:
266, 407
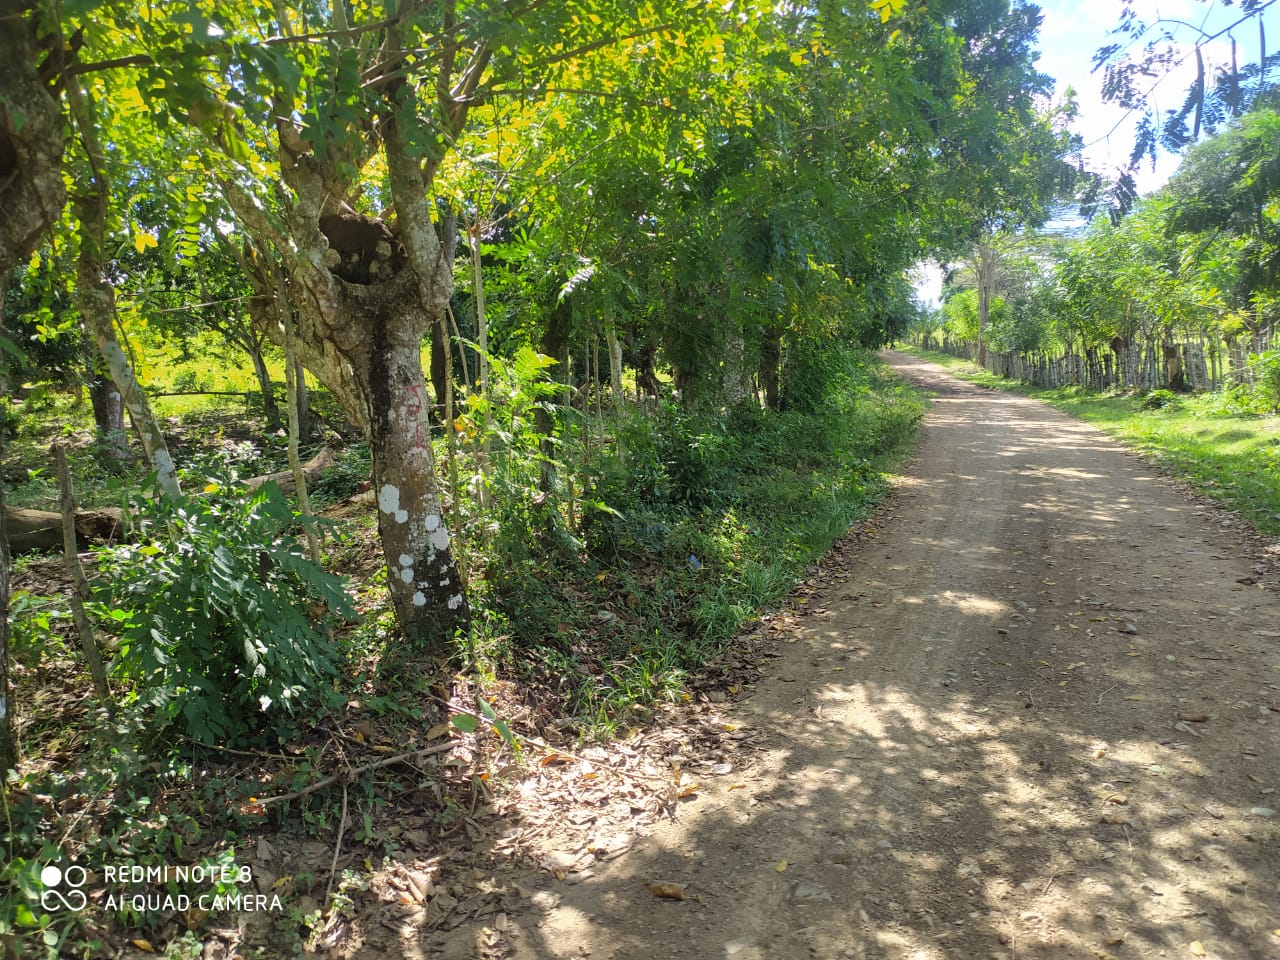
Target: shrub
1266, 370
1159, 400
344, 478
223, 615
691, 450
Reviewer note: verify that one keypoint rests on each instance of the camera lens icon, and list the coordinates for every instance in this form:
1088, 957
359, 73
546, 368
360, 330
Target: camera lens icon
54, 880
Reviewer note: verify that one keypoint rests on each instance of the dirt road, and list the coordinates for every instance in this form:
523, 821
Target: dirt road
1035, 716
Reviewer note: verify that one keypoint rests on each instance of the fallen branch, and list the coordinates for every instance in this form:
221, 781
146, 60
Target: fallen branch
553, 750
205, 393
284, 479
348, 774
337, 846
32, 530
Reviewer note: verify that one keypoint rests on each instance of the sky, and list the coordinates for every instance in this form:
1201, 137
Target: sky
1072, 31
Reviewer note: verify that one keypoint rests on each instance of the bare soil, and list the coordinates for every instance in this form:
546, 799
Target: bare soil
1031, 711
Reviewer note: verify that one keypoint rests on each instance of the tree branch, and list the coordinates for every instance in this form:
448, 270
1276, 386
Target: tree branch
256, 218
200, 306
1210, 37
578, 92
350, 773
608, 41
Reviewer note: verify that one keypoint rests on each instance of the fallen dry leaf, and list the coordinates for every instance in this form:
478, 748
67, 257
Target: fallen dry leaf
667, 891
1197, 949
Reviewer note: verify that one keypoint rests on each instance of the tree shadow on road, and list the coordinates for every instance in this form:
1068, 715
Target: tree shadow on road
969, 748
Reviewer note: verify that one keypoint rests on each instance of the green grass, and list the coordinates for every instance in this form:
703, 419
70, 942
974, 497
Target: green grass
1229, 454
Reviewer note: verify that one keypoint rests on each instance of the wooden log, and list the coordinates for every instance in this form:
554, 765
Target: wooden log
30, 530
326, 458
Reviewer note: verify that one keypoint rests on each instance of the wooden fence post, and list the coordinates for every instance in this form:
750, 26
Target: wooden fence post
81, 594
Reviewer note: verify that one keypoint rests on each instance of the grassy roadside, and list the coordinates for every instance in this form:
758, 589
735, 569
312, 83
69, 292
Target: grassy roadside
709, 520
1227, 453
719, 526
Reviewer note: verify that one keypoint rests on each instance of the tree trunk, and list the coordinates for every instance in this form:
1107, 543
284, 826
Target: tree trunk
8, 744
365, 298
451, 446
263, 316
1239, 370
646, 374
295, 383
482, 342
615, 368
770, 366
32, 137
441, 348
253, 343
439, 384
80, 593
306, 422
985, 273
364, 343
32, 195
426, 587
555, 343
363, 340
737, 385
95, 299
1174, 376
108, 418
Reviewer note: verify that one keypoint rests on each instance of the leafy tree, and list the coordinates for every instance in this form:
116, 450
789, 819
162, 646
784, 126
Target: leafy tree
322, 120
1010, 154
735, 188
1225, 196
94, 290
